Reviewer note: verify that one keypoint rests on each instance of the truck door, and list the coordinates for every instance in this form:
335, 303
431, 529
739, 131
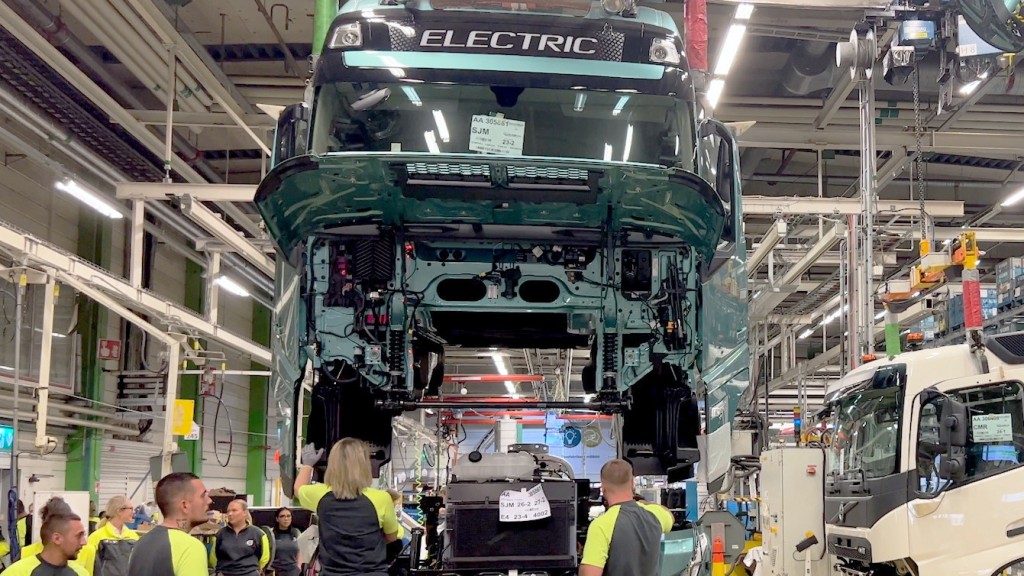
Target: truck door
969, 514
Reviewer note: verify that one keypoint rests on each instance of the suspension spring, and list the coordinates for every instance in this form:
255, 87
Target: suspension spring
396, 345
611, 355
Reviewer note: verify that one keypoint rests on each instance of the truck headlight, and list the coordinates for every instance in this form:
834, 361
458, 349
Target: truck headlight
613, 6
664, 51
347, 36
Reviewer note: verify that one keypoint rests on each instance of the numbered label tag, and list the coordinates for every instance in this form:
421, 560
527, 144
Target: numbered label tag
993, 428
493, 135
524, 505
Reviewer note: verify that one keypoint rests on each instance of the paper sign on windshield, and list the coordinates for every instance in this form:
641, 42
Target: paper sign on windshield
493, 135
992, 428
524, 505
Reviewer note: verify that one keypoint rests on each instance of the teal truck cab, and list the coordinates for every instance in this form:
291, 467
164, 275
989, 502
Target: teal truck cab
508, 175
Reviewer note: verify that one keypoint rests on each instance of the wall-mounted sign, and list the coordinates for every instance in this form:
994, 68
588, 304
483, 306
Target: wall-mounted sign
571, 436
109, 350
6, 438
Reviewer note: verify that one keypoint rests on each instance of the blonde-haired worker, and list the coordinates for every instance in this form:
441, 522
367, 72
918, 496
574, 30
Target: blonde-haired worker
113, 528
356, 521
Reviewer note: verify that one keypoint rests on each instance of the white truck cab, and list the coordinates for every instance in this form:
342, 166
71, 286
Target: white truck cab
926, 463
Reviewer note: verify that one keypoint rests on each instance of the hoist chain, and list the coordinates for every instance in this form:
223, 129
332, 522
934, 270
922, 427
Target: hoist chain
919, 156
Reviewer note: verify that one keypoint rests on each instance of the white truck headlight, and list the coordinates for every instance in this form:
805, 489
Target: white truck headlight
664, 51
347, 36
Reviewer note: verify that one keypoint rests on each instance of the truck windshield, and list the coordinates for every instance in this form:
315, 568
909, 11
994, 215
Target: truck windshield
867, 436
495, 120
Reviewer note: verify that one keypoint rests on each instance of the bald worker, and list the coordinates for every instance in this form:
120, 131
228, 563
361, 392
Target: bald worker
626, 539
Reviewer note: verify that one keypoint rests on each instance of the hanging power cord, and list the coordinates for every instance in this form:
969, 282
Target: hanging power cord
221, 409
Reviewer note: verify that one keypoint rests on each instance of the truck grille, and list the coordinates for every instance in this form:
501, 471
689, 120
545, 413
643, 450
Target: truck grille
466, 174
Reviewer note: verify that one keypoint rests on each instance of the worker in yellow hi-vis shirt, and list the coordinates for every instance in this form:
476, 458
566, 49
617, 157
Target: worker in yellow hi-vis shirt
356, 521
110, 546
626, 539
168, 549
62, 535
22, 524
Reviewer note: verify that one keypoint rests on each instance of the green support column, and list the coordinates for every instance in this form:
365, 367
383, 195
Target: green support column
85, 445
256, 463
188, 386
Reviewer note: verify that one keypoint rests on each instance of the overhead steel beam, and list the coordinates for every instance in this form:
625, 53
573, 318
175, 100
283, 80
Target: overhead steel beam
49, 53
775, 235
201, 119
892, 168
215, 245
781, 135
199, 192
1011, 235
212, 223
244, 220
818, 4
916, 313
968, 178
42, 253
834, 101
786, 255
771, 205
792, 319
802, 286
159, 16
761, 306
982, 234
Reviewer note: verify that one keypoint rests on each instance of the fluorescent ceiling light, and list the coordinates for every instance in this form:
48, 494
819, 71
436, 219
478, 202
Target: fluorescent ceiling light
880, 315
89, 198
413, 96
7, 368
730, 49
231, 286
629, 143
620, 105
581, 101
1014, 198
744, 11
970, 87
834, 315
499, 365
431, 142
442, 126
806, 334
608, 152
715, 91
